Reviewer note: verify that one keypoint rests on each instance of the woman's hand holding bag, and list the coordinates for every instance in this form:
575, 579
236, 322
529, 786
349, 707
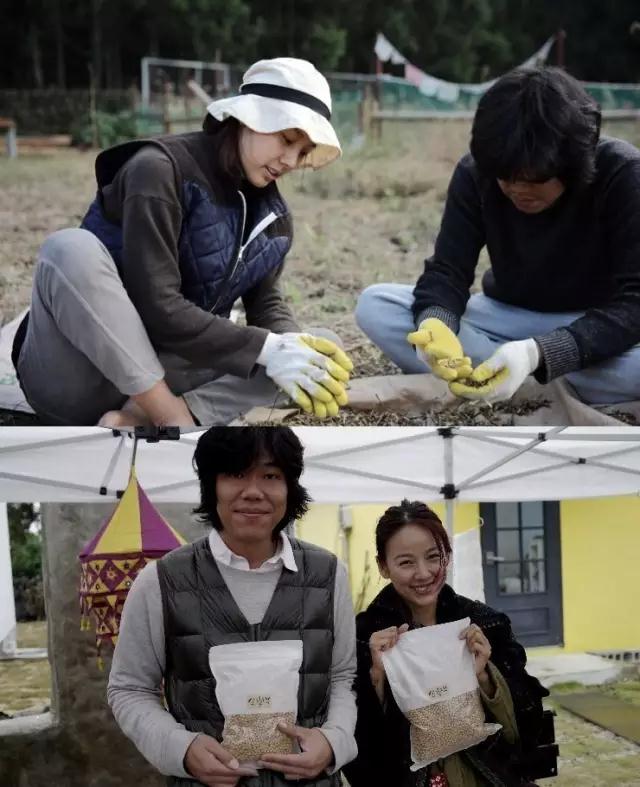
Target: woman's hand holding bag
379, 642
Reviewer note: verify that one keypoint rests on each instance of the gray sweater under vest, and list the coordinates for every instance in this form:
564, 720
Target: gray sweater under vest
134, 692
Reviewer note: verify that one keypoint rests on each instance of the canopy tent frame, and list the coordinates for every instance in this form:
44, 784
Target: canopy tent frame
344, 465
535, 443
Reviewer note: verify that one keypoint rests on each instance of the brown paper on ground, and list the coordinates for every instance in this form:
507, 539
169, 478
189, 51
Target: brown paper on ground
416, 394
259, 415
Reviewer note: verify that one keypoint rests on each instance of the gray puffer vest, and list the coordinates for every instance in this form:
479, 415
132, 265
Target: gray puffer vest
200, 613
216, 265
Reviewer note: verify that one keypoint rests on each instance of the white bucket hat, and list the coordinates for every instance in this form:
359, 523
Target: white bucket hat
282, 93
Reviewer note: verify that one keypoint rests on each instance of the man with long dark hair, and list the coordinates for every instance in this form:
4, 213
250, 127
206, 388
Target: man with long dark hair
246, 581
557, 208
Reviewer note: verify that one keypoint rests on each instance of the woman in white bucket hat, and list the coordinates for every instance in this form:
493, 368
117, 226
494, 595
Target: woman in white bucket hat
130, 315
285, 93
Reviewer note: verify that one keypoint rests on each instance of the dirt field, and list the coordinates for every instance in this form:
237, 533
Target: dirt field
371, 217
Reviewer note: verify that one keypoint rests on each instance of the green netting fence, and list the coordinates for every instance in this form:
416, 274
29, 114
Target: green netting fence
59, 112
398, 94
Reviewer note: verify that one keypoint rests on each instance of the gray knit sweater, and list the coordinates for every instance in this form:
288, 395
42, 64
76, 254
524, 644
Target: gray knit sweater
134, 690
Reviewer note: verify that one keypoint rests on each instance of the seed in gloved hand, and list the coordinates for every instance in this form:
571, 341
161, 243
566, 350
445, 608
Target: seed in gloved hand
481, 383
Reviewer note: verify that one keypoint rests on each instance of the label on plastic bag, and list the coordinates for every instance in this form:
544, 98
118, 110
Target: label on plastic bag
256, 689
432, 676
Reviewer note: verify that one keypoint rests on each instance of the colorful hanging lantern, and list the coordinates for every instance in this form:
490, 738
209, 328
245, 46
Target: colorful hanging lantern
131, 537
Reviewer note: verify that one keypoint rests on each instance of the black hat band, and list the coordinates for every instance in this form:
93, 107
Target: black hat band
288, 94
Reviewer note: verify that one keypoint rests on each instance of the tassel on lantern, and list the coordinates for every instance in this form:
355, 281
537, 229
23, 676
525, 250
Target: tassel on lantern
134, 535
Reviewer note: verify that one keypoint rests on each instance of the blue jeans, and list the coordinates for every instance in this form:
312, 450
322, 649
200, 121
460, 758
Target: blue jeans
384, 313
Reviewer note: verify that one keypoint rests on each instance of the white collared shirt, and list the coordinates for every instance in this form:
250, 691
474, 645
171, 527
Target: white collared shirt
283, 556
139, 659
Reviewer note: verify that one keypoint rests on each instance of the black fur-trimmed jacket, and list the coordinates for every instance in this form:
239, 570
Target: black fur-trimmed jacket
383, 735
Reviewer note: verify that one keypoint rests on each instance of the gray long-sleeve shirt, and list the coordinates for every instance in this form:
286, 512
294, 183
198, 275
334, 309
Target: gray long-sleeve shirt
144, 199
134, 691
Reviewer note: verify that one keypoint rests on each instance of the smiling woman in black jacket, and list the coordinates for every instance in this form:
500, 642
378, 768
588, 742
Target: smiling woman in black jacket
413, 552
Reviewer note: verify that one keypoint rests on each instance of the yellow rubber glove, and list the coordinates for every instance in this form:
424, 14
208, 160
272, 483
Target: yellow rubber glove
312, 370
343, 364
324, 410
340, 367
439, 347
323, 406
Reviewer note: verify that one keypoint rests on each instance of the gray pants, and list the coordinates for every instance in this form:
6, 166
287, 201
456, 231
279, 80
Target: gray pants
86, 350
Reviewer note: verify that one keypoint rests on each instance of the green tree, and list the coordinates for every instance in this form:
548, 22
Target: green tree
52, 42
325, 45
26, 545
26, 561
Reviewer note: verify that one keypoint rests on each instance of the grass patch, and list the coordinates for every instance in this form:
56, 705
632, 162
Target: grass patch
568, 687
32, 634
26, 683
627, 690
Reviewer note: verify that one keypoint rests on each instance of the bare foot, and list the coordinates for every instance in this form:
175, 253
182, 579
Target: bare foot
132, 407
157, 406
180, 415
161, 407
116, 419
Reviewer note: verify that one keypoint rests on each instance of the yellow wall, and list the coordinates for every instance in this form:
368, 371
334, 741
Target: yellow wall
600, 544
321, 526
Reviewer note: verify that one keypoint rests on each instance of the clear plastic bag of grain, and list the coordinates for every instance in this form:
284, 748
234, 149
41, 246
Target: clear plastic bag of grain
256, 688
433, 679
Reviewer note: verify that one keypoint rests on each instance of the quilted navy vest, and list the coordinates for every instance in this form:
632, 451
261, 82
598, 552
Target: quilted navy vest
215, 267
301, 608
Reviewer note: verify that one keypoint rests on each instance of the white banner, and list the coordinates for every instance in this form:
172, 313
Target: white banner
7, 603
433, 87
385, 52
468, 579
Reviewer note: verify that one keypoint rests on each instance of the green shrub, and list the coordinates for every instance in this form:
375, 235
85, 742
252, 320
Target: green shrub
26, 561
26, 557
28, 594
110, 128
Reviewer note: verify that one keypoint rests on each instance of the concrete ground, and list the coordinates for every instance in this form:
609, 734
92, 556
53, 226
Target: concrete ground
584, 668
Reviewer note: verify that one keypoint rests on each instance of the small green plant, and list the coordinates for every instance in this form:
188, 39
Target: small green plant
293, 293
107, 128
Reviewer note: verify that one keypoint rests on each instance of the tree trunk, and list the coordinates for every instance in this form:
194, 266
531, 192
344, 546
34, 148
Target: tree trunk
291, 29
113, 67
36, 56
61, 77
153, 37
96, 43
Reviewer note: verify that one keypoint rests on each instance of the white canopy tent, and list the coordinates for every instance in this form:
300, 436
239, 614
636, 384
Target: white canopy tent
345, 465
7, 604
342, 464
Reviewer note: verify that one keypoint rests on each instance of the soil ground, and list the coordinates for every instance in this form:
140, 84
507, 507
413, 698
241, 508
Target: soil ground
371, 217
